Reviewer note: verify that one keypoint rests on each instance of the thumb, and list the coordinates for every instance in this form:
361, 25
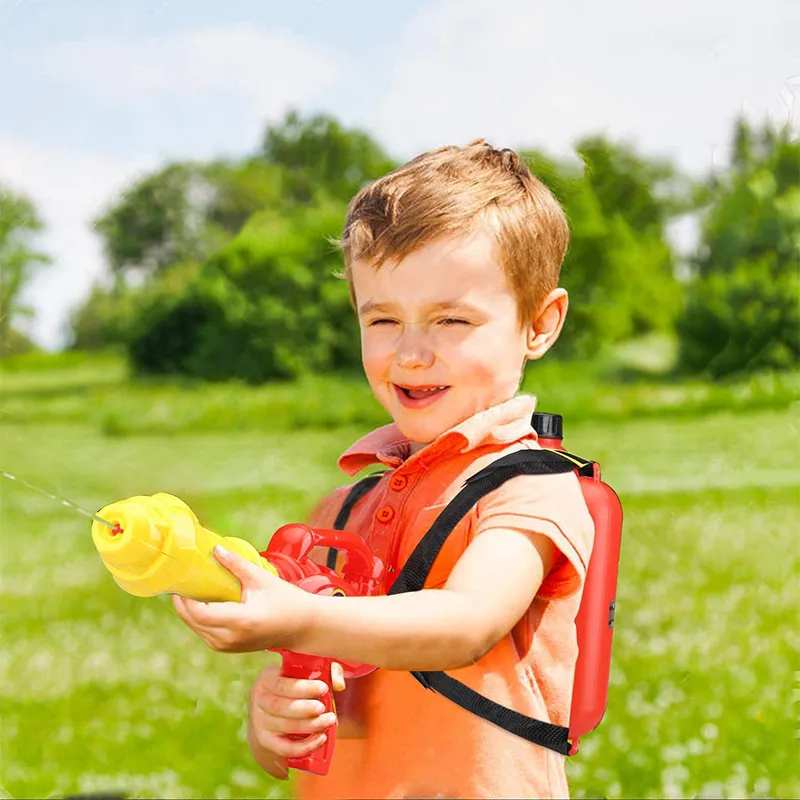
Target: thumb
337, 676
239, 566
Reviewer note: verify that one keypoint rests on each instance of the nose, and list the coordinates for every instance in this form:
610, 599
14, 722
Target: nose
413, 349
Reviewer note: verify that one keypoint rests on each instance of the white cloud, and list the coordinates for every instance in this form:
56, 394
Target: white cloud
267, 68
669, 76
69, 189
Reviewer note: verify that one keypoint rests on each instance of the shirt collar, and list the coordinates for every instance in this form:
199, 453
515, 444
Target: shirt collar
501, 424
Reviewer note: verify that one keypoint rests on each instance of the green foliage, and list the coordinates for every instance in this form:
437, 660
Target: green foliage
188, 211
619, 270
237, 190
743, 305
149, 228
184, 212
16, 343
111, 315
646, 192
103, 319
320, 153
266, 306
19, 221
257, 306
155, 235
746, 320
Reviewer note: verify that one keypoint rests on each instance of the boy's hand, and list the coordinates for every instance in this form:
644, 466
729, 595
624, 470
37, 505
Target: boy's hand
271, 614
279, 706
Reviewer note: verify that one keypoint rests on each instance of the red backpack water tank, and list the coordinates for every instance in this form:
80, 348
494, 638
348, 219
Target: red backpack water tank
595, 619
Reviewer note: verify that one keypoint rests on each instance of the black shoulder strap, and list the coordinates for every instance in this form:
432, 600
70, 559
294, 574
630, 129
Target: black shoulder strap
412, 578
523, 462
357, 491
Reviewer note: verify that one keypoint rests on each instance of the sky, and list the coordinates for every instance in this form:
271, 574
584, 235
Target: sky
95, 94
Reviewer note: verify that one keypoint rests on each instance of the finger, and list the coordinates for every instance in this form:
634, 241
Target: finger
191, 611
274, 705
247, 572
270, 762
179, 605
183, 610
289, 748
299, 688
212, 615
337, 676
283, 725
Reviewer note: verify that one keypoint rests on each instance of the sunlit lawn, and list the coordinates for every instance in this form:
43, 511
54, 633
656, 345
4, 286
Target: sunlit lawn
103, 691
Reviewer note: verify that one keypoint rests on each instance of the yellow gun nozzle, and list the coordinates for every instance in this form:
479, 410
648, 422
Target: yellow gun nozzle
157, 545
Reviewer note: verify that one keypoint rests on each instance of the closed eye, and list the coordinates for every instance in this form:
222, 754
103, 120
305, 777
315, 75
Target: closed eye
454, 321
449, 321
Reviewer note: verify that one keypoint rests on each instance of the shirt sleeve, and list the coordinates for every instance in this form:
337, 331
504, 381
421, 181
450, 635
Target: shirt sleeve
551, 505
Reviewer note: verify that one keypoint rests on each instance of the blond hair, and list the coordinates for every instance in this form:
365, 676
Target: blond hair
448, 192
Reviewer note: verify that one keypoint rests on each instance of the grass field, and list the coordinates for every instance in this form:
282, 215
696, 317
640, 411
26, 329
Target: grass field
101, 691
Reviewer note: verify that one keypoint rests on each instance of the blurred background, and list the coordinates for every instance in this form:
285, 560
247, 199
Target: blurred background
170, 321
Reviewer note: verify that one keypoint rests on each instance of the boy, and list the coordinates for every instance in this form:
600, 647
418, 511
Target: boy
453, 263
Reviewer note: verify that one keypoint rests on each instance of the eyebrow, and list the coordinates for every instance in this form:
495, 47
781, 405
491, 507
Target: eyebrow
449, 305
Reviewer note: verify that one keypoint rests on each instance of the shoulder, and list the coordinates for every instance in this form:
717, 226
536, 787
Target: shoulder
552, 505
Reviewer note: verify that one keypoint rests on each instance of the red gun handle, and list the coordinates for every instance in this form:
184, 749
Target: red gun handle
308, 667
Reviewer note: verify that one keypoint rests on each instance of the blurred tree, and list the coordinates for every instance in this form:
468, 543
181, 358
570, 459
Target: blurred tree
266, 306
620, 267
166, 223
151, 226
188, 211
646, 192
319, 152
743, 306
110, 313
19, 222
184, 212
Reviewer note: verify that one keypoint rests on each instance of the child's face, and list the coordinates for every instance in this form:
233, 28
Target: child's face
443, 317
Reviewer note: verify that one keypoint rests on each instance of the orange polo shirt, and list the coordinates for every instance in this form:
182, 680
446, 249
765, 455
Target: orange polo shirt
395, 738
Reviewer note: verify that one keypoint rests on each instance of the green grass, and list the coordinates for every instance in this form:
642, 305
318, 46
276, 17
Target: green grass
101, 691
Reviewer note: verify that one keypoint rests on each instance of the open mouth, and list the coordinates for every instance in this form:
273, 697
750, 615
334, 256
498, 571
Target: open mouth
415, 397
418, 394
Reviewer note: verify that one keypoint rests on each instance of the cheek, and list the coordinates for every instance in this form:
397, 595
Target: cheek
485, 366
475, 361
374, 356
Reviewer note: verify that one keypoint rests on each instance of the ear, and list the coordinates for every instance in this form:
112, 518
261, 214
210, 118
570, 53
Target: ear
544, 331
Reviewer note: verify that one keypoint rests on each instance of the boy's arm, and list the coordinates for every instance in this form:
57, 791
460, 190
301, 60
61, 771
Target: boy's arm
488, 591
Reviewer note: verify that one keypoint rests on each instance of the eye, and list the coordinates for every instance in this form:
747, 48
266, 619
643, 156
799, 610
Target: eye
454, 321
379, 322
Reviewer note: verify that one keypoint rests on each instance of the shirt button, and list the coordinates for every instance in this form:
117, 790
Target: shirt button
386, 514
398, 482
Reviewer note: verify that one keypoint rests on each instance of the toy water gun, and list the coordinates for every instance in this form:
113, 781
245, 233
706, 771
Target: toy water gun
157, 546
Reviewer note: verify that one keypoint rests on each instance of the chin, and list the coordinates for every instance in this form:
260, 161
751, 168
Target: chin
422, 433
